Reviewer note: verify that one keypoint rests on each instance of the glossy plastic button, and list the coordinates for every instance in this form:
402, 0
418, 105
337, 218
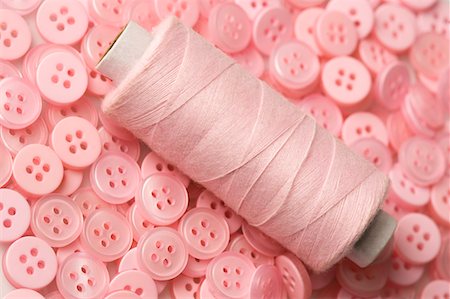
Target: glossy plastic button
152, 164
14, 215
8, 69
162, 199
15, 37
374, 55
398, 130
251, 60
139, 224
440, 201
62, 21
404, 274
435, 19
129, 261
114, 144
266, 283
305, 26
37, 169
374, 151
82, 108
22, 7
20, 103
15, 140
6, 165
109, 12
98, 84
363, 125
294, 275
106, 235
195, 267
436, 289
30, 263
135, 281
239, 244
96, 42
187, 11
22, 294
392, 85
115, 177
261, 241
56, 219
185, 287
162, 253
88, 201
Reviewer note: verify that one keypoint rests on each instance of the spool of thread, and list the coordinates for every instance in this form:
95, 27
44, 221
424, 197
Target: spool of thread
230, 132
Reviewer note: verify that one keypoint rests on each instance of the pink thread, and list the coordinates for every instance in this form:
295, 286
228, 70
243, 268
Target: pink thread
232, 133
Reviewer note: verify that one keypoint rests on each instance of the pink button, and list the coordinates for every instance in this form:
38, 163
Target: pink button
406, 193
82, 276
436, 289
5, 165
22, 7
239, 244
56, 219
363, 125
266, 283
98, 84
440, 201
15, 140
20, 103
109, 12
359, 12
8, 69
391, 207
113, 128
129, 261
62, 21
251, 60
14, 215
336, 34
344, 294
392, 85
162, 199
135, 281
152, 164
305, 26
96, 42
374, 151
271, 27
229, 275
23, 293
365, 282
398, 130
324, 111
184, 287
253, 8
195, 267
63, 253
139, 224
419, 4
15, 38
435, 19
88, 201
83, 108
229, 27
294, 66
187, 11
346, 80
204, 292
294, 275
30, 263
122, 295
260, 241
417, 239
71, 182
115, 177
395, 27
162, 253
206, 234
114, 144
208, 200
374, 55
37, 169
143, 13
307, 3
422, 161
76, 142
106, 235
61, 77
404, 274
323, 279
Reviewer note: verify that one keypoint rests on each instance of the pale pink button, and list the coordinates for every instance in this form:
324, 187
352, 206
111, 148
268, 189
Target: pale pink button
88, 201
122, 295
266, 283
363, 125
436, 289
152, 164
392, 84
61, 77
20, 103
261, 241
15, 37
395, 27
435, 19
30, 263
229, 275
22, 294
129, 261
359, 12
346, 80
14, 215
185, 287
422, 161
417, 239
135, 281
113, 128
56, 219
143, 13
195, 267
162, 253
187, 11
62, 21
98, 84
109, 12
440, 201
251, 60
15, 140
239, 244
229, 27
139, 224
398, 130
8, 69
206, 234
294, 276
22, 7
391, 207
162, 199
208, 200
96, 42
114, 144
71, 182
253, 8
344, 294
271, 27
374, 151
419, 5
37, 169
6, 165
63, 253
404, 274
83, 108
324, 111
305, 26
307, 3
82, 276
76, 141
406, 193
106, 235
115, 177
374, 55
204, 292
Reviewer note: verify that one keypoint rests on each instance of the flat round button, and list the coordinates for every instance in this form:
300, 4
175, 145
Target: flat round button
162, 199
404, 274
266, 283
115, 177
114, 144
62, 253
14, 215
88, 201
106, 235
253, 8
143, 13
261, 241
76, 141
419, 4
20, 103
22, 7
129, 261
185, 287
305, 27
8, 69
398, 130
109, 12
71, 182
37, 169
122, 295
15, 38
62, 21
436, 289
364, 125
82, 276
152, 164
195, 267
374, 55
440, 201
30, 263
417, 239
251, 60
56, 219
15, 140
139, 224
6, 165
135, 281
435, 19
95, 43
374, 151
294, 276
23, 293
98, 84
162, 253
239, 244
392, 85
83, 108
187, 11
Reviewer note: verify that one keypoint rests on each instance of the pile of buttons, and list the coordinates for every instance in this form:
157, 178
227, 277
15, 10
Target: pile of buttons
87, 211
